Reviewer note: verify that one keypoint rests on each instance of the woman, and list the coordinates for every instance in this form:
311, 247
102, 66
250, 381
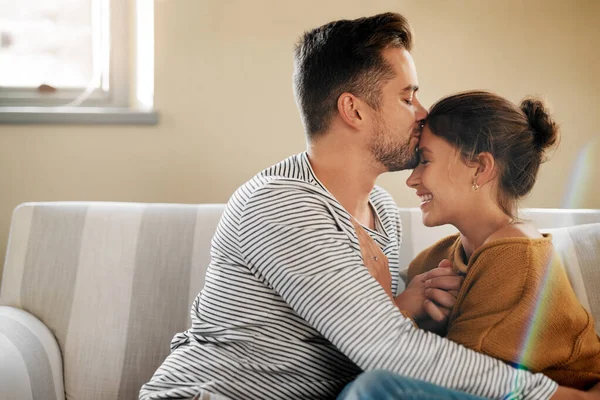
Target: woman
479, 154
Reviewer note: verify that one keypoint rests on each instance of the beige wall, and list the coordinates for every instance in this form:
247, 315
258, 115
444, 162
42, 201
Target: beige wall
223, 89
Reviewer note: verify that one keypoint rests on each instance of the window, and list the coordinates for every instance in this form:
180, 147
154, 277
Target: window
72, 57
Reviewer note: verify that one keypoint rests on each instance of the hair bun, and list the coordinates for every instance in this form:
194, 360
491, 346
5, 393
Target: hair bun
545, 130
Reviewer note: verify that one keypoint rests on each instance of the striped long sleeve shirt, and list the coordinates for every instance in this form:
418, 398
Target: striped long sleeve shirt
289, 311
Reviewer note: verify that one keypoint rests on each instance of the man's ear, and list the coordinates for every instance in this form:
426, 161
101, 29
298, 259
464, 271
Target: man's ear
486, 168
351, 110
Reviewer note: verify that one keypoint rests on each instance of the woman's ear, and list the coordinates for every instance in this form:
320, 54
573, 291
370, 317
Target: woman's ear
486, 168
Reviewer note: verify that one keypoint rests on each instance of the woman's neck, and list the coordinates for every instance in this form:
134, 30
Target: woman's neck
476, 229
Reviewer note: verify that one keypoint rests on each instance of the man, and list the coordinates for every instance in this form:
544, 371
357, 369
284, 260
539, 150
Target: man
289, 310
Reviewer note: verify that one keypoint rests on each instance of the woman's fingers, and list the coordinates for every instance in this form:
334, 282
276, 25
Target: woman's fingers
445, 282
440, 271
436, 313
441, 297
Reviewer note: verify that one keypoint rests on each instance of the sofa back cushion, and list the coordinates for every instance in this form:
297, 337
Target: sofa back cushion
114, 282
579, 249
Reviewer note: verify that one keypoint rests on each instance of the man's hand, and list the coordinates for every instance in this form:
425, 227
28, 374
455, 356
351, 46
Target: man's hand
430, 296
412, 299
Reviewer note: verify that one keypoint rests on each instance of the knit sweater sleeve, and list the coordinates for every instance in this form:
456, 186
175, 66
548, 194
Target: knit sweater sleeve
510, 307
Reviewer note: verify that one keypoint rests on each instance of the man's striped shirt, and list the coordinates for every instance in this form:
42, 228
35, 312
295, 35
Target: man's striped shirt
289, 311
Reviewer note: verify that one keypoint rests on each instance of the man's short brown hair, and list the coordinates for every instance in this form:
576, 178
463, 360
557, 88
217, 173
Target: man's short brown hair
344, 56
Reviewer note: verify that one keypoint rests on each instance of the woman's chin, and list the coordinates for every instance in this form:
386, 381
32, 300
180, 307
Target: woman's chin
429, 221
426, 220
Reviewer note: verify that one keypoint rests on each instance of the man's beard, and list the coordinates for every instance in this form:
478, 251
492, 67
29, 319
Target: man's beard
394, 156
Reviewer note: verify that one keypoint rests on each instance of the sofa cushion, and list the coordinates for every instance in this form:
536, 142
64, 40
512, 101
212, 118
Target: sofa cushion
113, 283
579, 249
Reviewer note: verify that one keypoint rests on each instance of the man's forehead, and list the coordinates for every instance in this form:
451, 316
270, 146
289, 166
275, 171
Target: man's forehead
410, 88
404, 68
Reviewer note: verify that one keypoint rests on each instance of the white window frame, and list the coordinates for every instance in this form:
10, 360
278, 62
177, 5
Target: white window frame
28, 105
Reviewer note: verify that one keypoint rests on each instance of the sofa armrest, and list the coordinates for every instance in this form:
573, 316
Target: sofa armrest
30, 359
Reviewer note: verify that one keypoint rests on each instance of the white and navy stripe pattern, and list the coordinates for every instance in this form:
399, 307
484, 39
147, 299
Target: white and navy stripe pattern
288, 310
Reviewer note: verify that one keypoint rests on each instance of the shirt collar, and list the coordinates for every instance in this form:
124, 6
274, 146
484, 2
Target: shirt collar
311, 177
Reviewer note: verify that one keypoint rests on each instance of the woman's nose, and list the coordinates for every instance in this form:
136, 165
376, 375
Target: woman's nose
413, 179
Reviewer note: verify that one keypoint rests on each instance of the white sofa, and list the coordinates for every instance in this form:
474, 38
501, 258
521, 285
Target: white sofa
92, 293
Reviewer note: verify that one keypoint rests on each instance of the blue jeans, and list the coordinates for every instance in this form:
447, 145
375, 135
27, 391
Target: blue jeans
384, 385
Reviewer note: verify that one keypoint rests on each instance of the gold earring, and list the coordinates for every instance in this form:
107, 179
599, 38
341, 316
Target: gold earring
475, 185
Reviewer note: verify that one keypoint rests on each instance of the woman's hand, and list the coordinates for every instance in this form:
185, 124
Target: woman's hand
442, 287
430, 296
374, 259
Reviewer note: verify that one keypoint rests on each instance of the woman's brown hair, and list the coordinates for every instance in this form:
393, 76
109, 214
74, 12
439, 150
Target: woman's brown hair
517, 137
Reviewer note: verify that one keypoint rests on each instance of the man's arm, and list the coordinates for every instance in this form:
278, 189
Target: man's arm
309, 254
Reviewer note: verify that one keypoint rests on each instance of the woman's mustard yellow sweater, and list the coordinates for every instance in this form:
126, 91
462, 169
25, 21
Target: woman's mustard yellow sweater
517, 304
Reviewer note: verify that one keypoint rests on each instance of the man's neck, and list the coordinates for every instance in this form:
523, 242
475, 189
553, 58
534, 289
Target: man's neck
348, 176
